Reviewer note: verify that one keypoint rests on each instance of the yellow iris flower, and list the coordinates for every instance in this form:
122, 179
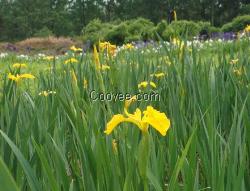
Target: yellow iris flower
177, 42
18, 77
158, 75
247, 29
129, 46
71, 60
175, 16
145, 84
73, 48
107, 46
19, 65
96, 58
97, 61
151, 116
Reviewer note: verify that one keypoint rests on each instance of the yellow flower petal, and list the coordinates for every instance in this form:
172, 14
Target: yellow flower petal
28, 76
116, 120
143, 84
12, 77
19, 77
152, 84
132, 118
110, 48
129, 102
136, 119
44, 93
73, 48
105, 67
48, 58
158, 75
19, 65
136, 116
96, 58
157, 120
71, 60
129, 46
247, 29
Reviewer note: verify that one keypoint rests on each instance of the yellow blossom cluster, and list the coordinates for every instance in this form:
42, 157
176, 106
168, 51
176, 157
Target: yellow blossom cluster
108, 47
158, 75
19, 65
247, 29
128, 46
70, 60
18, 77
75, 49
144, 84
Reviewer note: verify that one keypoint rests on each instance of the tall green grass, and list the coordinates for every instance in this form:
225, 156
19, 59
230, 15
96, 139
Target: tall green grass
57, 142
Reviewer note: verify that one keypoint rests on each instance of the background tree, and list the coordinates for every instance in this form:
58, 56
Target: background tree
20, 19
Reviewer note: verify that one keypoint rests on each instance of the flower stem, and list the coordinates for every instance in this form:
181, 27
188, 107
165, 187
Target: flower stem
143, 158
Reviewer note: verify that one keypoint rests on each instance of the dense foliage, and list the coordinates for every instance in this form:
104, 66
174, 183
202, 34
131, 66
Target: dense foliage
52, 131
237, 24
143, 30
20, 19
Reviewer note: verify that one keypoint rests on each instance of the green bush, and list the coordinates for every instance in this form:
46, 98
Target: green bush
169, 33
134, 28
138, 26
116, 22
147, 34
206, 26
142, 28
131, 30
187, 29
237, 24
95, 31
117, 34
132, 38
44, 32
120, 32
161, 27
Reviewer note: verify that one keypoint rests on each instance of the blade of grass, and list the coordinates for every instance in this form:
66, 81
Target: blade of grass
31, 177
6, 180
180, 161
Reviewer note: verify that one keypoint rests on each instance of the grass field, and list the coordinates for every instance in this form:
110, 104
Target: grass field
55, 140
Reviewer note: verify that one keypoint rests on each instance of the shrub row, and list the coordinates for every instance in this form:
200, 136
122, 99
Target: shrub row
120, 32
142, 29
237, 24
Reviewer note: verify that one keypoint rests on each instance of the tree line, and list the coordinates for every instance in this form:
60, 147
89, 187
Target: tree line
20, 19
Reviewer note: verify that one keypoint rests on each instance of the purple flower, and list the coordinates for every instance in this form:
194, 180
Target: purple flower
224, 36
